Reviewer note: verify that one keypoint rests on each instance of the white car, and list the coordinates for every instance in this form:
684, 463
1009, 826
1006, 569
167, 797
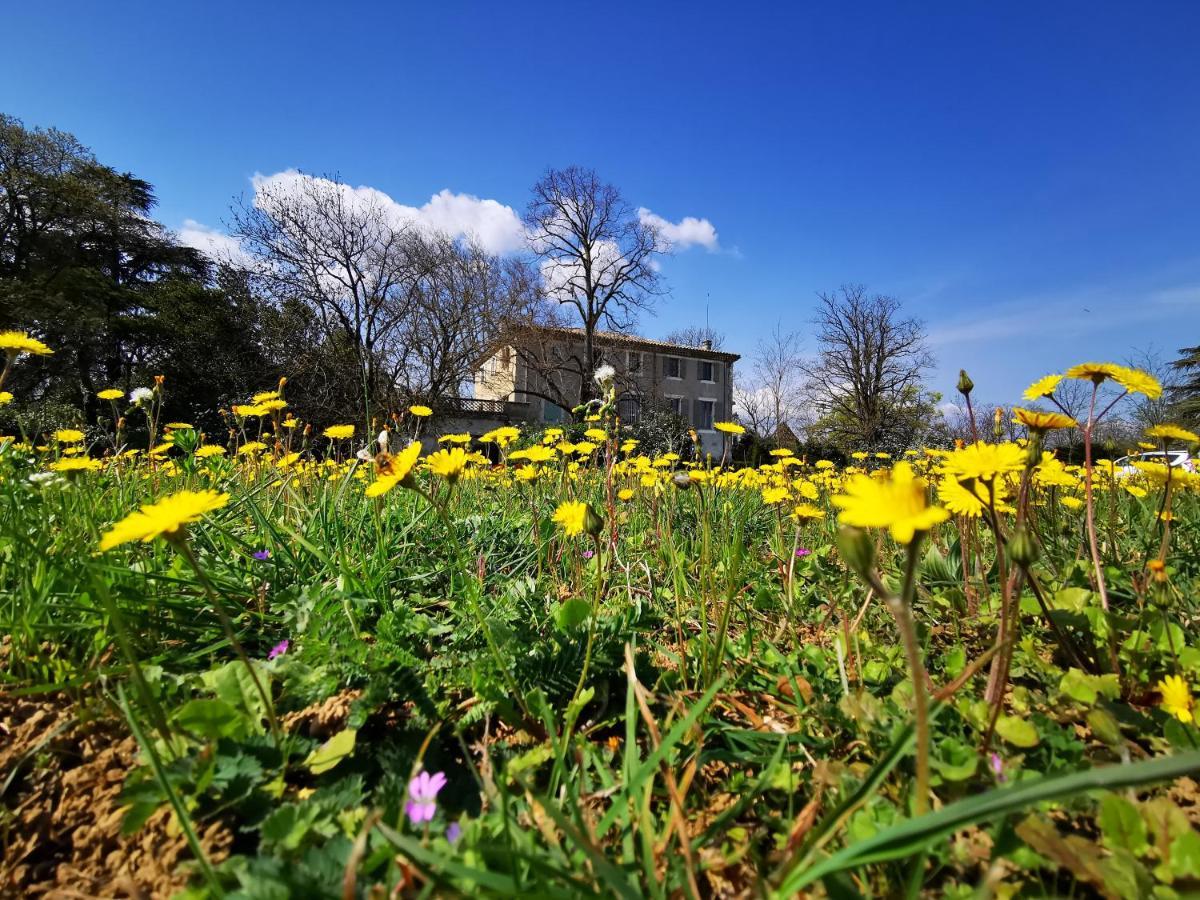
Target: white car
1179, 459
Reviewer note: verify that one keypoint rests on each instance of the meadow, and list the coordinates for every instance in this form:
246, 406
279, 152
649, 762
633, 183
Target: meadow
289, 662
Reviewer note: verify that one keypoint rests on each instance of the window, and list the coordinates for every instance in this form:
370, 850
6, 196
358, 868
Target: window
633, 361
705, 411
676, 404
629, 409
706, 371
672, 367
552, 412
505, 357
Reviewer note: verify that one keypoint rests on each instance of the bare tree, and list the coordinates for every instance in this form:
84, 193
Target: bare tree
772, 394
461, 298
696, 336
341, 252
597, 255
866, 377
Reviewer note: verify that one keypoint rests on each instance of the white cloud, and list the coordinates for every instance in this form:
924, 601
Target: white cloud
495, 226
215, 244
687, 232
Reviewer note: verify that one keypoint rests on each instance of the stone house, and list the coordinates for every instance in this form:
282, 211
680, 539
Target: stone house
539, 368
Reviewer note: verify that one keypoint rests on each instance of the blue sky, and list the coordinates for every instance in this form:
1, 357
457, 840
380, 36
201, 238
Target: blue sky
1025, 177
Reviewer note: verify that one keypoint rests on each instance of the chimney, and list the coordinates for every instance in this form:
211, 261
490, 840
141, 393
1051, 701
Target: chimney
706, 345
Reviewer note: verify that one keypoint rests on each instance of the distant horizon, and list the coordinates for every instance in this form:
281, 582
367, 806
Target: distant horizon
1024, 182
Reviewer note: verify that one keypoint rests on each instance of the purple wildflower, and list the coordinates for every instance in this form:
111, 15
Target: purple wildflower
422, 796
279, 649
453, 832
588, 554
802, 551
262, 554
998, 767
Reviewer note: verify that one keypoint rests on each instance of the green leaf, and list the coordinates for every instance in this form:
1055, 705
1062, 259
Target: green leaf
1018, 732
1121, 825
1185, 855
571, 613
234, 684
1084, 688
211, 719
332, 752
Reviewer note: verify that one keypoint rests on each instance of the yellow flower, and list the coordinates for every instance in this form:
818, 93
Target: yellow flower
166, 518
984, 461
78, 464
463, 438
1094, 372
394, 470
110, 394
528, 473
583, 448
245, 411
264, 396
596, 434
68, 436
969, 498
824, 464
420, 411
447, 463
729, 427
808, 511
502, 436
625, 494
773, 495
15, 343
274, 405
1173, 433
782, 452
1071, 502
859, 454
571, 516
177, 426
251, 447
1036, 420
1176, 698
6, 397
206, 450
1138, 382
897, 503
339, 432
1043, 387
538, 453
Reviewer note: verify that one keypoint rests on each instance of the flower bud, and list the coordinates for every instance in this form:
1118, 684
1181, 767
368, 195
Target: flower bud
856, 549
681, 480
965, 384
1022, 548
593, 524
1105, 726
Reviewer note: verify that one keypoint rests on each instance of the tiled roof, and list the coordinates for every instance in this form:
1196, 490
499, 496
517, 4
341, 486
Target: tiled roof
637, 342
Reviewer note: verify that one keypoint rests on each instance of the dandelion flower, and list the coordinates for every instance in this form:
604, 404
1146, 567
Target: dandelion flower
773, 495
420, 411
604, 375
251, 447
1094, 372
111, 394
462, 438
1176, 697
571, 516
897, 503
596, 434
339, 432
807, 511
77, 464
166, 518
206, 450
394, 470
449, 464
782, 452
1173, 433
138, 396
1038, 421
5, 397
729, 427
1043, 387
68, 435
985, 461
1138, 382
16, 343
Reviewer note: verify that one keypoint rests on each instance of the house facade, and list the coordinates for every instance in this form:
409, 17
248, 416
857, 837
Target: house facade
541, 368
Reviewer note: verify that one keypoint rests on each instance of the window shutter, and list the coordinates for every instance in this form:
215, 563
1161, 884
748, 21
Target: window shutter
717, 372
683, 367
